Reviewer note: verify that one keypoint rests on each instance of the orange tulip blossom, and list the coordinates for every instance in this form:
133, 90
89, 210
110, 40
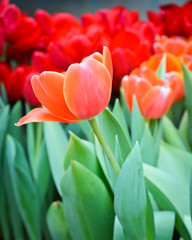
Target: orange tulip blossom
82, 92
153, 96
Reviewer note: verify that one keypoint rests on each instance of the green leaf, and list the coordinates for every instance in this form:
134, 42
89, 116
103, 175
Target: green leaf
4, 114
184, 129
170, 195
164, 225
125, 108
191, 194
118, 113
3, 94
188, 96
56, 222
87, 130
147, 145
56, 143
161, 71
43, 172
130, 199
118, 233
17, 132
88, 207
24, 189
171, 134
137, 123
177, 162
110, 127
83, 152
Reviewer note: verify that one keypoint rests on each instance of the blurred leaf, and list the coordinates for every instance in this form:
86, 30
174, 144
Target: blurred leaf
15, 114
170, 195
188, 96
156, 130
130, 199
191, 194
125, 108
24, 189
56, 222
3, 94
118, 155
184, 129
147, 147
137, 123
164, 225
118, 113
83, 152
171, 134
88, 207
161, 71
110, 127
177, 162
4, 114
87, 130
43, 173
56, 143
118, 230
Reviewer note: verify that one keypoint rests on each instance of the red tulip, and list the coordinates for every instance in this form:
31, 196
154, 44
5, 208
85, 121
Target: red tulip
82, 92
153, 96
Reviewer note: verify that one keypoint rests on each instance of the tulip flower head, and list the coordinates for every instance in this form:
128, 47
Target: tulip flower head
82, 92
153, 96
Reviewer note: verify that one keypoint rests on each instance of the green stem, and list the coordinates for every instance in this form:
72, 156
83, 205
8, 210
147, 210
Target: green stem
105, 146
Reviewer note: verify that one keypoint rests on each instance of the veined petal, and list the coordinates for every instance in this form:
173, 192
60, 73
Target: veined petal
157, 102
48, 88
39, 115
87, 88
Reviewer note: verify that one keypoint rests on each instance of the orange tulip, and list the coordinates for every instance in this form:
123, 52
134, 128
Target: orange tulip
153, 96
82, 92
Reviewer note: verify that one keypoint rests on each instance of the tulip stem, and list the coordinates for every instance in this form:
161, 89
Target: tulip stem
105, 146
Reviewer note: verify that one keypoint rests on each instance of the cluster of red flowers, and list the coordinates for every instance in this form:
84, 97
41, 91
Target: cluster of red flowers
53, 42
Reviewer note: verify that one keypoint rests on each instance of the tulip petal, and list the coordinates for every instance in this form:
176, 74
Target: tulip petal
107, 61
134, 85
87, 88
38, 115
48, 88
157, 102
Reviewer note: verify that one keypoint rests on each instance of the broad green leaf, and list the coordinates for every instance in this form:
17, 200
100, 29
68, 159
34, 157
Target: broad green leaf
177, 110
24, 189
15, 222
130, 199
3, 94
147, 146
88, 207
118, 113
191, 194
150, 225
137, 123
170, 195
43, 173
56, 143
156, 130
118, 233
56, 222
177, 162
188, 96
161, 71
83, 152
118, 154
171, 134
111, 127
164, 225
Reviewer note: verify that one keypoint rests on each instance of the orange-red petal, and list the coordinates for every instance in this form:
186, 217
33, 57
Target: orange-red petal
38, 115
48, 88
87, 88
157, 102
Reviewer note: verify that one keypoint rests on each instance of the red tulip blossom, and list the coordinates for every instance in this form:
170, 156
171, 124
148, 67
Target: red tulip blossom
154, 96
173, 20
82, 92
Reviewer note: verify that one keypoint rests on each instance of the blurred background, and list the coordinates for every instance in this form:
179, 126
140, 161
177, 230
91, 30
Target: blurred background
78, 7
